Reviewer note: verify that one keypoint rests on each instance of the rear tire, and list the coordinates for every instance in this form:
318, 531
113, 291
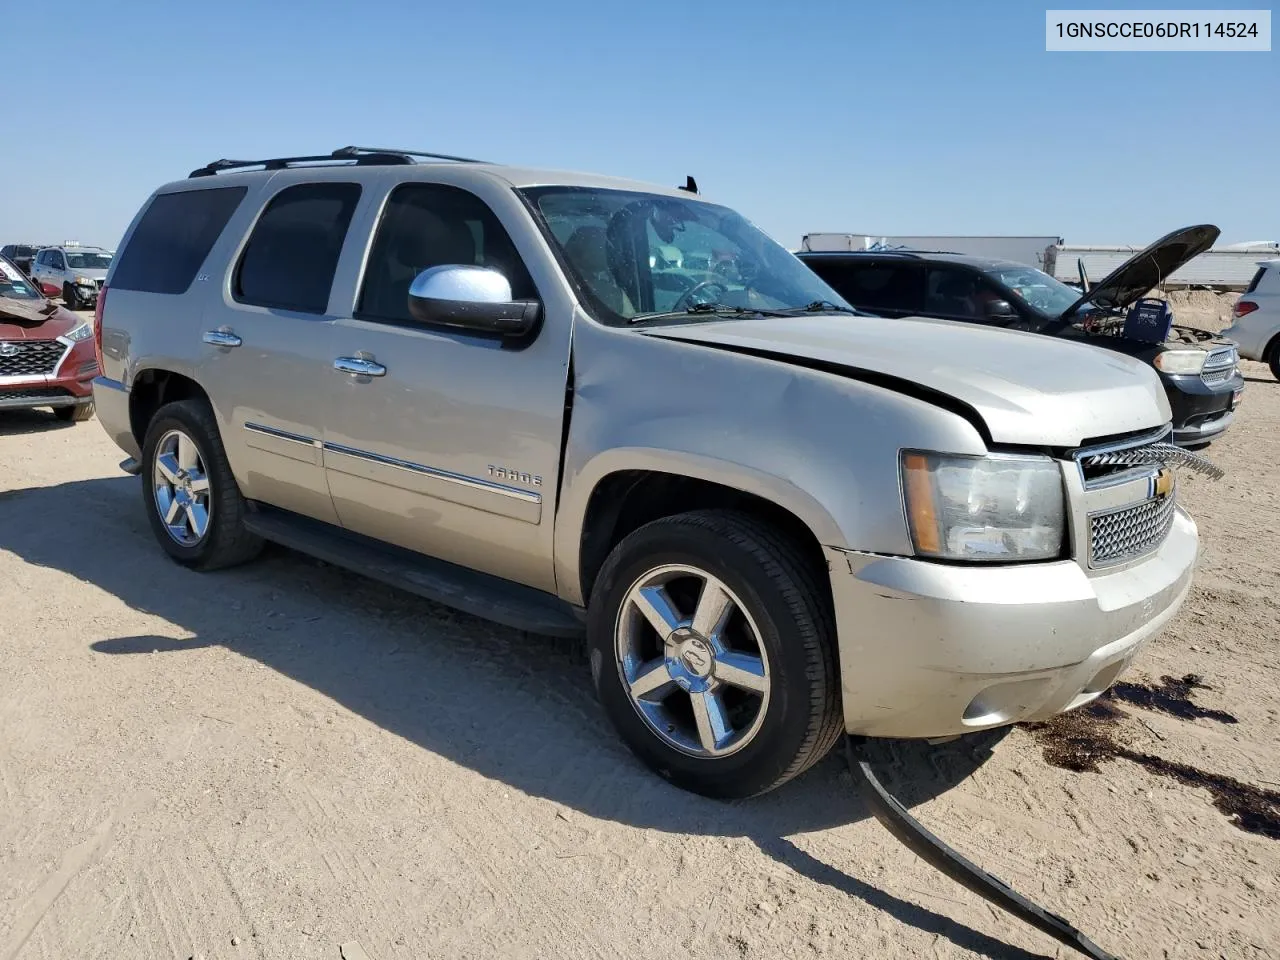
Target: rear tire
1273, 358
77, 414
190, 495
727, 705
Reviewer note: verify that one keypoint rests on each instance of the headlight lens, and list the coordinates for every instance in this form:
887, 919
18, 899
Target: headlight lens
1180, 361
996, 509
84, 281
83, 331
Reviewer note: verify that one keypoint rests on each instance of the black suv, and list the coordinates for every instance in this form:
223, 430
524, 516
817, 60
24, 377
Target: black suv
20, 255
1200, 372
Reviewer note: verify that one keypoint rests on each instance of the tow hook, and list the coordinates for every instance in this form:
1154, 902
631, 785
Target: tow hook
912, 834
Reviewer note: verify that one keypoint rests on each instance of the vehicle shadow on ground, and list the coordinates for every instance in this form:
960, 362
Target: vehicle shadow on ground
516, 708
16, 423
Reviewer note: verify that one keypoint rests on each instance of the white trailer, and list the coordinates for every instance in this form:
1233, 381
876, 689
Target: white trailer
1221, 268
1030, 250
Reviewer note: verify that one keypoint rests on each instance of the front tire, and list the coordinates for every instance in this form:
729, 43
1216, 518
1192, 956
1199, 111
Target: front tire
77, 414
191, 497
712, 647
70, 297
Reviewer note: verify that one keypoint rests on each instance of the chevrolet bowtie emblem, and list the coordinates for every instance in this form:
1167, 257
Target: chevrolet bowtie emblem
1162, 483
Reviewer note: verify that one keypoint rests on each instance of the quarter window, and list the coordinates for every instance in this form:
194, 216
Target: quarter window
293, 251
429, 225
173, 238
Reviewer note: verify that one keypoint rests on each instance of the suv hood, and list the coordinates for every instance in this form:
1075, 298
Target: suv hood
34, 320
1147, 269
1026, 388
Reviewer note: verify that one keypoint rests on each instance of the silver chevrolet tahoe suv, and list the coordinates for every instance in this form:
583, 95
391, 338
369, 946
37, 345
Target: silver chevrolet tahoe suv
569, 403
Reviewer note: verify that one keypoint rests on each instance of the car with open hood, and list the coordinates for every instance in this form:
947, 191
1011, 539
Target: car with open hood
1199, 371
47, 356
580, 405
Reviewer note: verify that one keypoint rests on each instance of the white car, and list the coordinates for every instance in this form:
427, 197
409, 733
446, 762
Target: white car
73, 272
1257, 317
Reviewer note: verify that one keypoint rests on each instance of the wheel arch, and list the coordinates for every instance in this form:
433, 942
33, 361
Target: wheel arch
153, 387
622, 491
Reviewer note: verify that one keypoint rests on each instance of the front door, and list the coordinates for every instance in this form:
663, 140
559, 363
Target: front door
450, 446
267, 353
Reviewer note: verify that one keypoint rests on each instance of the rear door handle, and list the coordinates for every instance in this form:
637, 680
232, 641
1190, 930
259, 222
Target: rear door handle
359, 367
222, 338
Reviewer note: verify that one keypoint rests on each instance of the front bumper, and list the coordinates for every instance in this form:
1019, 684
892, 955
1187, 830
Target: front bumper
69, 385
1201, 412
934, 650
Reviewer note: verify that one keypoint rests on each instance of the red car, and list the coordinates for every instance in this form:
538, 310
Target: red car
47, 354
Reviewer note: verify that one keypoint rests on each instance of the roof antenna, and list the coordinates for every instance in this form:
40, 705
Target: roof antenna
690, 185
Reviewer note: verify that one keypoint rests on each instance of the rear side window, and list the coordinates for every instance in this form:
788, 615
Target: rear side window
173, 238
1257, 278
293, 251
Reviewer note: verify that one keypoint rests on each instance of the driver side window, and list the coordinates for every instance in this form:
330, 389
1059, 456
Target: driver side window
430, 225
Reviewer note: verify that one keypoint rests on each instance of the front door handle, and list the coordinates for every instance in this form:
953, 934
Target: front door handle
359, 367
222, 338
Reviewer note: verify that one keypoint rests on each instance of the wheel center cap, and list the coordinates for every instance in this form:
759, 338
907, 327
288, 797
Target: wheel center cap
696, 656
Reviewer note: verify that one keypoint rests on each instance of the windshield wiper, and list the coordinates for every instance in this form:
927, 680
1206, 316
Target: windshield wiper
818, 306
708, 309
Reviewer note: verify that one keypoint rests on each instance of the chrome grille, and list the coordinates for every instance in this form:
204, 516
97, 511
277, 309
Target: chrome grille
1219, 366
29, 358
1129, 532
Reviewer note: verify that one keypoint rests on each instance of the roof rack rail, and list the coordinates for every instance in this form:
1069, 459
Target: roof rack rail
363, 156
356, 152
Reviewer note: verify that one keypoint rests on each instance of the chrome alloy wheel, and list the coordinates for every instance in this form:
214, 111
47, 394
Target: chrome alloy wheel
692, 661
181, 488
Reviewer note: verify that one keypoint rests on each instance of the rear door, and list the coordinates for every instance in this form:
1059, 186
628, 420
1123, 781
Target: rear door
267, 353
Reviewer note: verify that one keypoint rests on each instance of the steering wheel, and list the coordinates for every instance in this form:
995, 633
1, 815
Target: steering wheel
683, 302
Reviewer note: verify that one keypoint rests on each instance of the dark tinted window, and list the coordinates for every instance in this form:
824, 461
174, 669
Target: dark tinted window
1257, 278
293, 251
873, 286
173, 238
429, 225
952, 292
56, 260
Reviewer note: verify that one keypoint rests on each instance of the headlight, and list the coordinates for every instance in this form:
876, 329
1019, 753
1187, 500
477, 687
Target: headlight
1180, 361
85, 282
82, 332
995, 508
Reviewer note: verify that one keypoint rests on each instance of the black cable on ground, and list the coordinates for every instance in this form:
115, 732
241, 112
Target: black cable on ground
917, 838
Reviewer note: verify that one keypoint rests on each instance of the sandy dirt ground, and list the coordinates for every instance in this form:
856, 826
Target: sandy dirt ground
283, 759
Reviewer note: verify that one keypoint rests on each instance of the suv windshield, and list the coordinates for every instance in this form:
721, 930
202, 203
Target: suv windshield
89, 261
1036, 288
632, 254
14, 285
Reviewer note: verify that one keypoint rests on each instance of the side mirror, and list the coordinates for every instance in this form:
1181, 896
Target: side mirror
1000, 310
471, 298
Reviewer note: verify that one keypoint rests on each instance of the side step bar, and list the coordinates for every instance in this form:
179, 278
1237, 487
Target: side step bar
131, 466
491, 598
912, 834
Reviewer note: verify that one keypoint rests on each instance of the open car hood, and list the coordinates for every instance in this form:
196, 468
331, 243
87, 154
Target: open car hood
1147, 269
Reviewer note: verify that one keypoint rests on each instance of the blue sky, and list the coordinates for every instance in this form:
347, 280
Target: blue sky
838, 115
